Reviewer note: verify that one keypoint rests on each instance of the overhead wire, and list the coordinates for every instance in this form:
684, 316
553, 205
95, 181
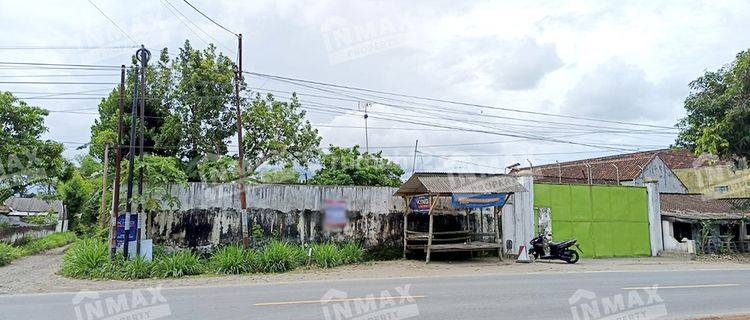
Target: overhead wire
113, 22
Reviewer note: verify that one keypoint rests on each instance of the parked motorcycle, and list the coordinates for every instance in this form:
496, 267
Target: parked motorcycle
557, 251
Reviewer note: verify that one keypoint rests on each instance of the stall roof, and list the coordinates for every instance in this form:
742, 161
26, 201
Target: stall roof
699, 207
449, 183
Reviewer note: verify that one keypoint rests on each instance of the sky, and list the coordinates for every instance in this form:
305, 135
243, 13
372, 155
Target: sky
629, 63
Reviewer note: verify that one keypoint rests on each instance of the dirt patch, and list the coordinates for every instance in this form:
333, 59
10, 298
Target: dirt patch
35, 274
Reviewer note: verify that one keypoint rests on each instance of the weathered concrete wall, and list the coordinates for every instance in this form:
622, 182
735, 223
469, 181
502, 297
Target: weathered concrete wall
209, 215
17, 234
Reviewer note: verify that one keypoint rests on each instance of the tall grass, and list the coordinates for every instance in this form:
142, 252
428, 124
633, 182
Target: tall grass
86, 258
279, 256
234, 259
178, 264
351, 252
326, 255
9, 253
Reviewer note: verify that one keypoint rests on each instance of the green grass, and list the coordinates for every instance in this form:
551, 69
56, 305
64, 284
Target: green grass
9, 253
234, 259
279, 256
178, 264
351, 252
87, 258
326, 255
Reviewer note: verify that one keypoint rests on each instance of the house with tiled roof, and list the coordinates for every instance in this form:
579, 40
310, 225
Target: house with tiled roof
624, 169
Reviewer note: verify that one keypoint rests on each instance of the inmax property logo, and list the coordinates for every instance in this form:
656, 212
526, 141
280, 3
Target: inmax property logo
140, 304
347, 41
391, 305
638, 304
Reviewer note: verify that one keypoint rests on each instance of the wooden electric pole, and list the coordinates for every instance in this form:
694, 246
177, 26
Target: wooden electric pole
118, 162
240, 148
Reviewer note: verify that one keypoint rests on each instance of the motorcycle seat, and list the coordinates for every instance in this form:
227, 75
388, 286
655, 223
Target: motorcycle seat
561, 243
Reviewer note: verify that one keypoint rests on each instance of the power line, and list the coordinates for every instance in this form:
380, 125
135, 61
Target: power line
457, 102
41, 64
195, 25
65, 47
56, 82
209, 18
113, 22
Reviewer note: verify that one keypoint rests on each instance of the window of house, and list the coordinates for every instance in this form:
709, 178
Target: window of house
721, 189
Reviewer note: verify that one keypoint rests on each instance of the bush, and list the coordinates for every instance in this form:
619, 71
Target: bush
233, 259
326, 255
9, 253
280, 256
351, 252
137, 268
177, 264
51, 241
86, 258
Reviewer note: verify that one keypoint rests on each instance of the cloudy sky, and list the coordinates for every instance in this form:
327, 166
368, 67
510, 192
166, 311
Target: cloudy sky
627, 63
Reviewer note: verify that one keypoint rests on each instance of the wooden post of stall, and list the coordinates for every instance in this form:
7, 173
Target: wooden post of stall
429, 233
498, 239
407, 200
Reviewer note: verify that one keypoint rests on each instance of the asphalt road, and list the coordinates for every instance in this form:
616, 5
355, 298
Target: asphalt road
602, 295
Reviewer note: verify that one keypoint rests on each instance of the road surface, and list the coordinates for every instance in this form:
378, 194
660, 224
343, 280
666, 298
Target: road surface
569, 295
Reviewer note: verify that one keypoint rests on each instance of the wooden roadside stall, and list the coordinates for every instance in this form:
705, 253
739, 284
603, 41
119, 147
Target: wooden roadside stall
464, 192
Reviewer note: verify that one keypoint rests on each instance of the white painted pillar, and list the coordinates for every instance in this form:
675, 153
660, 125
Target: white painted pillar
654, 217
524, 212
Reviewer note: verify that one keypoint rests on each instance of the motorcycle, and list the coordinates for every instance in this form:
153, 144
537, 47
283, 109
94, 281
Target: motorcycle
557, 251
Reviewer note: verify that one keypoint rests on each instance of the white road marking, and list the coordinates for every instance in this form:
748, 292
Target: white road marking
335, 300
686, 286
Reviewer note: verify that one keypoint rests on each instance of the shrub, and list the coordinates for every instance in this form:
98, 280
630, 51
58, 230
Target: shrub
326, 255
137, 268
86, 258
51, 241
9, 253
177, 264
351, 252
233, 259
280, 256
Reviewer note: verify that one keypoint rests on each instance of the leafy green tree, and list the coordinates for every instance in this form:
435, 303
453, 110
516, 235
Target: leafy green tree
218, 169
25, 159
159, 174
718, 111
347, 166
77, 193
276, 132
202, 118
285, 175
158, 88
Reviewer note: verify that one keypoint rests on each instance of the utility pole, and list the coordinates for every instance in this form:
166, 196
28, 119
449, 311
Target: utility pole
131, 160
145, 55
118, 162
240, 149
414, 161
367, 139
103, 207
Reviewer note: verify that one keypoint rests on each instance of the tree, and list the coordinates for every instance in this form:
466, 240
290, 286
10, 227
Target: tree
277, 132
718, 111
285, 175
202, 117
347, 166
158, 88
25, 159
77, 193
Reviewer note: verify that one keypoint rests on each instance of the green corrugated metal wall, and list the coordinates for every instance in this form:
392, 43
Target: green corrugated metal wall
608, 221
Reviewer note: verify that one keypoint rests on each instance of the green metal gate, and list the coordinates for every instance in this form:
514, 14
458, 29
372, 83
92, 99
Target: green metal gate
608, 221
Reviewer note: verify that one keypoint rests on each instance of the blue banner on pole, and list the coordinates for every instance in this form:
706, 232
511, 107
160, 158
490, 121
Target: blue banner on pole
120, 235
473, 200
